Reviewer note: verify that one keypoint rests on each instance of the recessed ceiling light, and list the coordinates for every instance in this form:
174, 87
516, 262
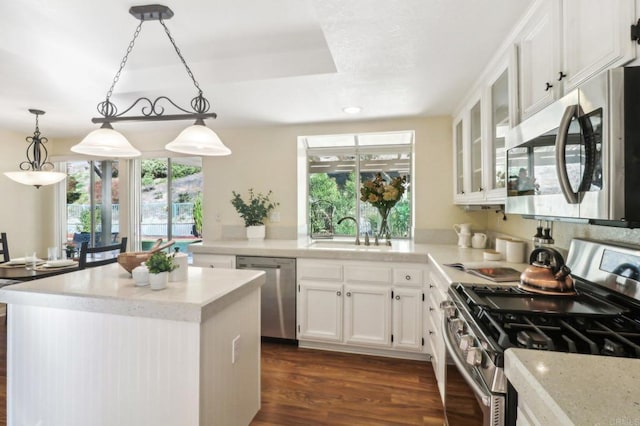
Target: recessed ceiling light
352, 109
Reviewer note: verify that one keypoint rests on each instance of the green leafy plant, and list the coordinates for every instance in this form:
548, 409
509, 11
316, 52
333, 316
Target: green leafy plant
197, 216
256, 210
160, 262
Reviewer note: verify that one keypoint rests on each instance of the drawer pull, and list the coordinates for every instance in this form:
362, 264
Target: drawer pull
339, 293
348, 294
407, 277
398, 297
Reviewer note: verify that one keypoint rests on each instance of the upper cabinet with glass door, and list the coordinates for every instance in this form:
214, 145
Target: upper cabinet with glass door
479, 145
565, 42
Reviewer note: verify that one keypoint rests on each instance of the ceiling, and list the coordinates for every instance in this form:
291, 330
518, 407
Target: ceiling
259, 62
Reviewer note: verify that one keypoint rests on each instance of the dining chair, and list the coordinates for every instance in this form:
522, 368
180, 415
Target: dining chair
4, 247
120, 247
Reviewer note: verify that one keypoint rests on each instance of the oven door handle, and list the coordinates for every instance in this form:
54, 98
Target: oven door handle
478, 388
561, 160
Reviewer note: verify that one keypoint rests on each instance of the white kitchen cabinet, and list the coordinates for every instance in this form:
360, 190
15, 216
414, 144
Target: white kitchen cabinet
595, 36
436, 290
367, 314
539, 58
359, 304
407, 318
565, 42
214, 261
479, 144
320, 311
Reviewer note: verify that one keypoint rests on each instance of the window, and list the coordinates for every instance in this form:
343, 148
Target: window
92, 204
337, 165
170, 201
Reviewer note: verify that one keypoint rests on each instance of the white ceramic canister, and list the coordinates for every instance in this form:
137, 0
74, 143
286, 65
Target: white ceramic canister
501, 246
464, 240
182, 271
515, 251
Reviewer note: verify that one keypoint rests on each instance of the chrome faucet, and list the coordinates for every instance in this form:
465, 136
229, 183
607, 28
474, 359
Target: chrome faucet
357, 227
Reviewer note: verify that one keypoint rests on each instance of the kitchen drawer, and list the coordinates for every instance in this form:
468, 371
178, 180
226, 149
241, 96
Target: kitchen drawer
214, 261
319, 270
369, 274
407, 276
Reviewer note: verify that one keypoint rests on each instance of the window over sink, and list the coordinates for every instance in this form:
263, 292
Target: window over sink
336, 167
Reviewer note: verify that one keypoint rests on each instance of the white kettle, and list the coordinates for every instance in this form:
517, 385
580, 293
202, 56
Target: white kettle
479, 240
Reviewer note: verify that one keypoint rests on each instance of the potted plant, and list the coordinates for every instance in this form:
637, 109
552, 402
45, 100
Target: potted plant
254, 212
159, 265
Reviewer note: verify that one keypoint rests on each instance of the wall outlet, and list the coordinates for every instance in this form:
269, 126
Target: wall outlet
235, 349
274, 217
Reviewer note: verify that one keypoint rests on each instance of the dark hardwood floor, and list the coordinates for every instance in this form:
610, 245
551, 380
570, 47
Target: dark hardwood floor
311, 387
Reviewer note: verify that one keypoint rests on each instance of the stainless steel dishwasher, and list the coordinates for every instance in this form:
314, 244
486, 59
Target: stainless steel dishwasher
278, 294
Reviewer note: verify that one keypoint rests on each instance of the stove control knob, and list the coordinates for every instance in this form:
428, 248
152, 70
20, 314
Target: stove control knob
458, 325
449, 309
466, 341
474, 356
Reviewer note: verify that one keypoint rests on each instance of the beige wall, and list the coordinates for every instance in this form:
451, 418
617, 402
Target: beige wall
265, 158
26, 214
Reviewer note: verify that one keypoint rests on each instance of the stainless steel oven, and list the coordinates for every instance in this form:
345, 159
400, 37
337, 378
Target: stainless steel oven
481, 322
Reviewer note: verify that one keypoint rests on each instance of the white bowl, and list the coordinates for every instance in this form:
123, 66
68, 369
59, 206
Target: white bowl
491, 255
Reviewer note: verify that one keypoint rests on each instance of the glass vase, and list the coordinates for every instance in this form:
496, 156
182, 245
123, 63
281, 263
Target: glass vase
384, 231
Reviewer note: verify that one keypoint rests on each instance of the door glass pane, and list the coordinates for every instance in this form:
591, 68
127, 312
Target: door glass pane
154, 201
171, 195
93, 213
500, 125
459, 160
476, 148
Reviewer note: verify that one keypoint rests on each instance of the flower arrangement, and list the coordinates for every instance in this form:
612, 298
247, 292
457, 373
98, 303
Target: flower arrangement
70, 248
256, 210
160, 262
381, 194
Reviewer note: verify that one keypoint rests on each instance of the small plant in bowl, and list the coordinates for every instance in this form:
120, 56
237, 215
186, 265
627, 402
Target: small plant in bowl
159, 265
254, 212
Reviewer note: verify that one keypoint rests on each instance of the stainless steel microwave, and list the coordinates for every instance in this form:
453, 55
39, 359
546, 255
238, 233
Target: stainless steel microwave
579, 158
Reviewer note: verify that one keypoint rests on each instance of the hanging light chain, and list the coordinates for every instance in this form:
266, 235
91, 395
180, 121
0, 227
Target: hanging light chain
124, 59
173, 42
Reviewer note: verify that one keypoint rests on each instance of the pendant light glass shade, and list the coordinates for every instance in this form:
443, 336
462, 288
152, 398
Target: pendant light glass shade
36, 170
106, 142
198, 140
36, 178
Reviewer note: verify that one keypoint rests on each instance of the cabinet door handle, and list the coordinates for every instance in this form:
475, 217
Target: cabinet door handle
407, 277
348, 294
431, 309
339, 293
548, 86
211, 266
561, 75
398, 297
431, 332
430, 285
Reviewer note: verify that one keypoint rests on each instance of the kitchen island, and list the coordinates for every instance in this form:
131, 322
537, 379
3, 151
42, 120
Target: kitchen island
89, 347
556, 388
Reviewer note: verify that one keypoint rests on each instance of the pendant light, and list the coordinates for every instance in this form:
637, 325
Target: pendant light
36, 170
194, 140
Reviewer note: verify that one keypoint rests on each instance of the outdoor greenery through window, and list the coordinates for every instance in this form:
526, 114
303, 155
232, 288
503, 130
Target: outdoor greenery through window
337, 167
171, 201
93, 213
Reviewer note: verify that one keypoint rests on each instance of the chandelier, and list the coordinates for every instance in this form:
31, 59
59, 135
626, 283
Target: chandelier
195, 140
36, 170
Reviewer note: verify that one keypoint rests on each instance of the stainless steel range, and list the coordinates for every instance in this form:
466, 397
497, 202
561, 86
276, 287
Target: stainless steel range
481, 322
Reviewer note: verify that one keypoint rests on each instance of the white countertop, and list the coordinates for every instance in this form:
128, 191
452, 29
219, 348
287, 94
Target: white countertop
110, 289
400, 251
573, 389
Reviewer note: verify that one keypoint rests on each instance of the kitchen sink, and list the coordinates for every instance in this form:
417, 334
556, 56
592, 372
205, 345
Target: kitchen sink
345, 245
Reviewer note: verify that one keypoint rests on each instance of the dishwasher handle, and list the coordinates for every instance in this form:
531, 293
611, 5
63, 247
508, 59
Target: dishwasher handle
258, 266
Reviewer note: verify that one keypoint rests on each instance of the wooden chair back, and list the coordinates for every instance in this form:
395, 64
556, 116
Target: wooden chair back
4, 248
85, 250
